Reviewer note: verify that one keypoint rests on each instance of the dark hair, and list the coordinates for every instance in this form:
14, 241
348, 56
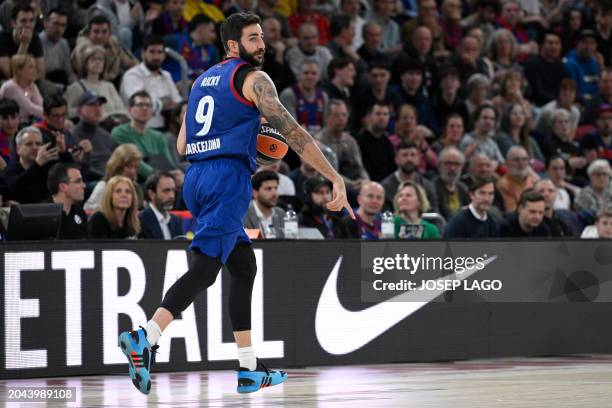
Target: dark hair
142, 94
152, 39
21, 7
337, 63
58, 173
231, 28
379, 64
494, 4
371, 105
154, 179
603, 7
338, 23
198, 20
529, 196
53, 101
568, 83
406, 145
479, 181
547, 33
60, 11
447, 119
479, 110
173, 125
8, 107
265, 175
565, 22
506, 125
98, 19
448, 70
554, 157
410, 65
450, 116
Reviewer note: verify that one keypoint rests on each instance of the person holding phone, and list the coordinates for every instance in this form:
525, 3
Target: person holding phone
27, 176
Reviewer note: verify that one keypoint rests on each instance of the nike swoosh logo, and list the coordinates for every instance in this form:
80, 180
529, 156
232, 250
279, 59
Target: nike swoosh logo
341, 331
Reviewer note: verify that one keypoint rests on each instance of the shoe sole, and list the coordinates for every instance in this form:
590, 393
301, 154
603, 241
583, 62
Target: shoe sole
253, 388
136, 374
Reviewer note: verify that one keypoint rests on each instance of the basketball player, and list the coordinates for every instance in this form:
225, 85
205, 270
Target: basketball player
218, 137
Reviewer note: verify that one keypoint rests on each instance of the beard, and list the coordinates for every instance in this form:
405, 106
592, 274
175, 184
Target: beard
450, 176
408, 168
153, 67
267, 203
164, 205
250, 57
519, 173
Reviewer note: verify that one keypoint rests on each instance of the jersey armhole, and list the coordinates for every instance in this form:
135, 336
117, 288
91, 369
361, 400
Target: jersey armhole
238, 80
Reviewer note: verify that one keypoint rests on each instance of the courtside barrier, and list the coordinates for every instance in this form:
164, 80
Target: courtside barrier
64, 303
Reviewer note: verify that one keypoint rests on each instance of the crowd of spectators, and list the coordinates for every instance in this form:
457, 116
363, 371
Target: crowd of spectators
464, 118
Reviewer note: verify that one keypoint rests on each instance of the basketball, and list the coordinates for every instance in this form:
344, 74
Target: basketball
271, 145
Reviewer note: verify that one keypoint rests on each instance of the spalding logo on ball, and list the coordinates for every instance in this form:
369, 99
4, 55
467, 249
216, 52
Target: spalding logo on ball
271, 145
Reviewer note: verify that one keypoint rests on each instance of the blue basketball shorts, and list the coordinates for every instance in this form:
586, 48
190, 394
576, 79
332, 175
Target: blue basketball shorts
217, 192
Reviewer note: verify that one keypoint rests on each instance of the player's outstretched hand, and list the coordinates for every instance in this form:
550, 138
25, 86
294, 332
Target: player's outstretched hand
339, 200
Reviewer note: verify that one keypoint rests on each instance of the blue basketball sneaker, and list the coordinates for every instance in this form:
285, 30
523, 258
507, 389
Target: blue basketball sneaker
140, 355
251, 381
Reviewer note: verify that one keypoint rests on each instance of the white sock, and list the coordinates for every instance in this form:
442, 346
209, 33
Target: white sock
153, 332
246, 357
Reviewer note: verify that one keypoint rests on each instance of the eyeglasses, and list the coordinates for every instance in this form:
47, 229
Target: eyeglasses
58, 115
452, 163
77, 181
520, 159
599, 174
142, 105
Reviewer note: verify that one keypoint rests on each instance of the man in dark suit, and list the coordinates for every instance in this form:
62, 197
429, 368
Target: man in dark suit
156, 220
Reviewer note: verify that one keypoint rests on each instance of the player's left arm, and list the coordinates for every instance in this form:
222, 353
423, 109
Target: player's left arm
181, 140
259, 88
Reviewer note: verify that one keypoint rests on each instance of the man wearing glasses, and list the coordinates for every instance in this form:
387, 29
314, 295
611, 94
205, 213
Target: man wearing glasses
519, 177
26, 177
150, 142
67, 188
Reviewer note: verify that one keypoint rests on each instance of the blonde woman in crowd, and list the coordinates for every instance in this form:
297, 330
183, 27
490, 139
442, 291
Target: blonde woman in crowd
410, 203
118, 215
123, 162
22, 89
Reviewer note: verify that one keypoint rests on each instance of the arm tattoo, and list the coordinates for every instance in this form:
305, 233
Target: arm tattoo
268, 104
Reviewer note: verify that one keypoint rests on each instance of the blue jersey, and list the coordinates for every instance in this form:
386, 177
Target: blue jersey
219, 122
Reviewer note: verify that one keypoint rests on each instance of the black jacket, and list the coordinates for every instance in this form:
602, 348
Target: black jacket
150, 229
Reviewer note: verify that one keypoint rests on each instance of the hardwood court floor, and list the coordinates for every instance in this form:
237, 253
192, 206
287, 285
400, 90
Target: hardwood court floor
576, 381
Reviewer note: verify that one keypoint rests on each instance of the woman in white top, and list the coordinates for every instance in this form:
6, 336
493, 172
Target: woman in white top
90, 70
22, 89
556, 170
123, 162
